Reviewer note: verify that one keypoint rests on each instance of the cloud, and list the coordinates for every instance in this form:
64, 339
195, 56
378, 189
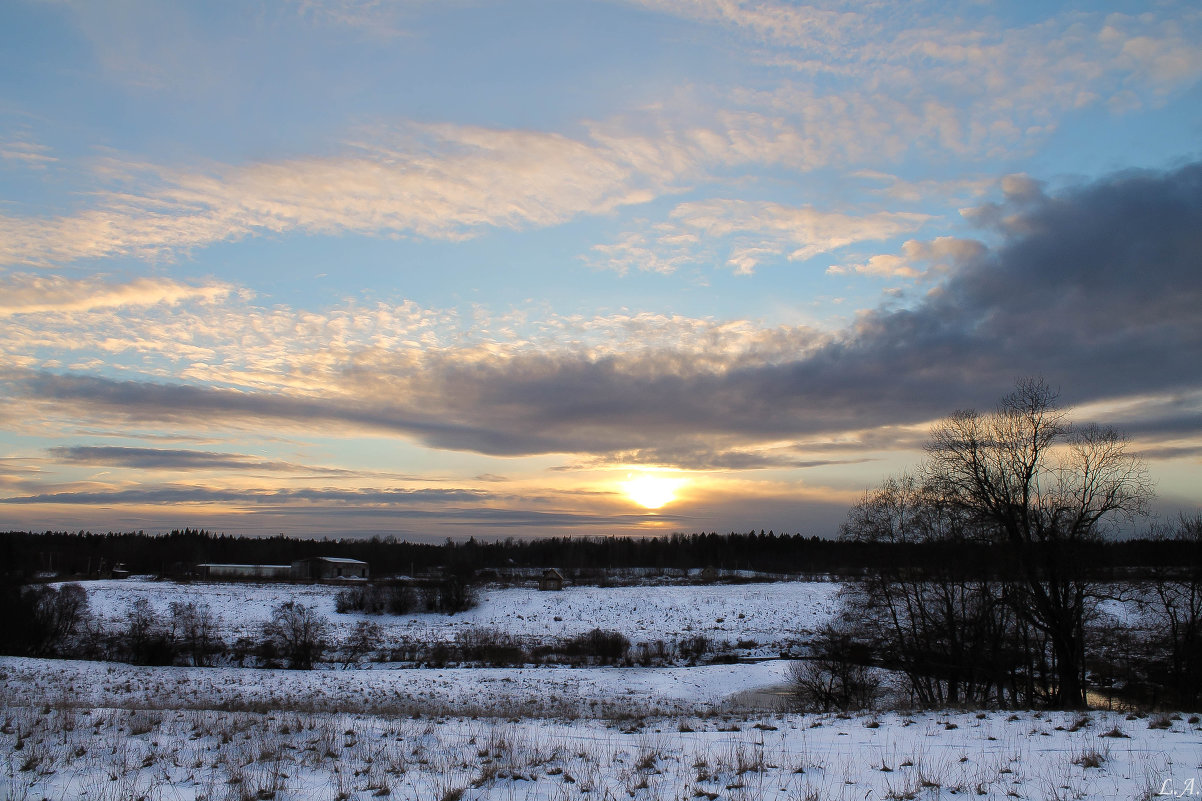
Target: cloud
172, 494
1096, 288
896, 188
178, 460
1160, 51
756, 231
901, 83
918, 258
1191, 451
25, 153
436, 181
802, 26
431, 506
40, 294
432, 181
915, 77
701, 456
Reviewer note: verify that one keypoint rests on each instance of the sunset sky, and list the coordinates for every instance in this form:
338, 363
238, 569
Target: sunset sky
439, 269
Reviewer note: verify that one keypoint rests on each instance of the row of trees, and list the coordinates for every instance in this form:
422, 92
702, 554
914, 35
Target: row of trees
1011, 627
447, 594
56, 621
64, 555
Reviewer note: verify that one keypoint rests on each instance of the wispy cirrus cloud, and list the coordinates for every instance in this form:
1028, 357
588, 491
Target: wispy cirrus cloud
26, 153
432, 181
437, 181
753, 231
40, 294
918, 78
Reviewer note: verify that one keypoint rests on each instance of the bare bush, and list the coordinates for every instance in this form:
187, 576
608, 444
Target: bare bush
147, 641
490, 646
604, 645
365, 637
450, 595
41, 620
194, 628
376, 599
836, 677
297, 633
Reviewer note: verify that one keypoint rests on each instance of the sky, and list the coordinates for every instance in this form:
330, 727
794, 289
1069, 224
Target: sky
578, 267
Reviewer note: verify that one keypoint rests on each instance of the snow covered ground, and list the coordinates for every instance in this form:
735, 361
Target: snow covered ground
55, 743
502, 692
772, 615
115, 732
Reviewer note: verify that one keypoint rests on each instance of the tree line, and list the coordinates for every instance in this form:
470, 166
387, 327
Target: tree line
25, 555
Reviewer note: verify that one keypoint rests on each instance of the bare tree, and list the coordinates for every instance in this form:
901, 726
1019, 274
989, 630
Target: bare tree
364, 638
147, 641
1171, 601
1028, 478
194, 628
942, 625
41, 620
298, 633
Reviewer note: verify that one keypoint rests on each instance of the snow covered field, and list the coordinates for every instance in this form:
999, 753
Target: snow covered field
772, 615
109, 731
500, 692
55, 749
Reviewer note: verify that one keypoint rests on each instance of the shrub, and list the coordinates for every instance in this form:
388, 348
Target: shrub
604, 645
297, 633
361, 642
450, 595
693, 648
146, 640
194, 628
835, 677
376, 599
41, 620
490, 646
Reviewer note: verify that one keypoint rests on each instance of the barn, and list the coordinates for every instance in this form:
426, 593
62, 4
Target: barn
222, 572
551, 580
316, 568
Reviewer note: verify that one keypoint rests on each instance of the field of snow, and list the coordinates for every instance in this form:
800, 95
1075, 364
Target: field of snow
57, 745
499, 692
115, 732
772, 615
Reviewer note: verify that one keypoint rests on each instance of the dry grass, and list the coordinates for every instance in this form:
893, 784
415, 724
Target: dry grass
222, 755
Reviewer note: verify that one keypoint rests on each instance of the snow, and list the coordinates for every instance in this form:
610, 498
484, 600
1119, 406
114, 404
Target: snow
774, 616
96, 730
87, 731
490, 691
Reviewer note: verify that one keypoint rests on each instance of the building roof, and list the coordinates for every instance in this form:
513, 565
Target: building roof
341, 560
257, 567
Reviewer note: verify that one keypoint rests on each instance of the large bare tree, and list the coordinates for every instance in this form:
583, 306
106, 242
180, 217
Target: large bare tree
1049, 490
944, 624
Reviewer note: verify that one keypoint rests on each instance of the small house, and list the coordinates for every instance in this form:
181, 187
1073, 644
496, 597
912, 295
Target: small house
551, 580
709, 574
317, 568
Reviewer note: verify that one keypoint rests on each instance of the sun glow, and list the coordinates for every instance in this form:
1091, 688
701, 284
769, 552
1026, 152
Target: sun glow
651, 491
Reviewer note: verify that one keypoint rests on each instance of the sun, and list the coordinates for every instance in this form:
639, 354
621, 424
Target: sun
651, 491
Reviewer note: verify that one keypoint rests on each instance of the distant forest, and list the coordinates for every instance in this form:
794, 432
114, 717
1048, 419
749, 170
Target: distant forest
65, 554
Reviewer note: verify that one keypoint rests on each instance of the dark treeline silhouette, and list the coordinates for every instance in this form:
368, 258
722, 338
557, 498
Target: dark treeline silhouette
65, 554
